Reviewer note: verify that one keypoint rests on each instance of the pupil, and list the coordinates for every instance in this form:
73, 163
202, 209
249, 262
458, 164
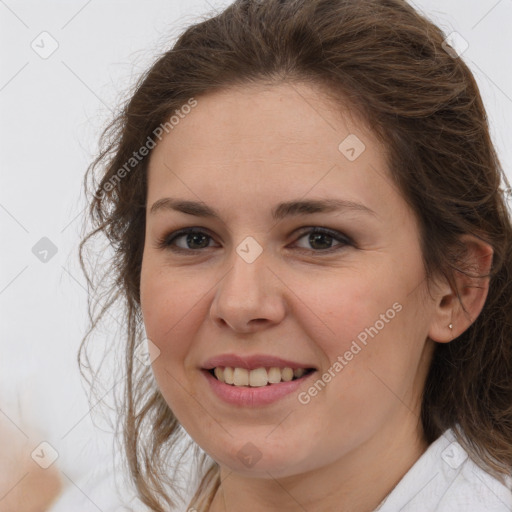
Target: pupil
313, 238
192, 237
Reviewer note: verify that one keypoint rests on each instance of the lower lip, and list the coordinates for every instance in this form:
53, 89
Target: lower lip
253, 397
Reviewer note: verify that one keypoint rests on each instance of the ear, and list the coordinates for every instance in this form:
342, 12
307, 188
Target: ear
472, 288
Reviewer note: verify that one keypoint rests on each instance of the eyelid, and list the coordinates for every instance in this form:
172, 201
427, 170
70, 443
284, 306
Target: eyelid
337, 235
165, 242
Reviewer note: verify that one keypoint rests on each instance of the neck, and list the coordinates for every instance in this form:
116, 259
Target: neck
358, 481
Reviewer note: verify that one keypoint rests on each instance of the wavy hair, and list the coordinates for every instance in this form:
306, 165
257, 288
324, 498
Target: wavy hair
393, 67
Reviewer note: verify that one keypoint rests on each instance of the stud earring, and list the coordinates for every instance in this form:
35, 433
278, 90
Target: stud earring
451, 326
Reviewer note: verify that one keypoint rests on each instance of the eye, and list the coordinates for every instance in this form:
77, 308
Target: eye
321, 239
193, 240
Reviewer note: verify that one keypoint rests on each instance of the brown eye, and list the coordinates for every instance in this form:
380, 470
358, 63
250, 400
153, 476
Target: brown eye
190, 240
193, 240
321, 240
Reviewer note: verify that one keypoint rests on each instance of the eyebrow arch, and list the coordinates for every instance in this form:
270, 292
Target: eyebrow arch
282, 210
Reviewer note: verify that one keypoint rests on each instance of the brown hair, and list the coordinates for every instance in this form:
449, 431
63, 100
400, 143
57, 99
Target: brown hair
391, 64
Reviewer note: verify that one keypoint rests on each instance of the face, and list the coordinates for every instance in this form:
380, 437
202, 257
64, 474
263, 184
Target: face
303, 255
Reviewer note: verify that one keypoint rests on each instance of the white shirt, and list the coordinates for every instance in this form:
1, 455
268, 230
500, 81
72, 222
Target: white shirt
445, 479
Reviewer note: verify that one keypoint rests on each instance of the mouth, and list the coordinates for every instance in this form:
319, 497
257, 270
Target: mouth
258, 377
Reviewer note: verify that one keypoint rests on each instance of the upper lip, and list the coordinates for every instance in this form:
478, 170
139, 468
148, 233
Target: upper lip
252, 362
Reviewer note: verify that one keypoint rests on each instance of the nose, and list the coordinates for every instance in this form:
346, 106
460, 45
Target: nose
249, 297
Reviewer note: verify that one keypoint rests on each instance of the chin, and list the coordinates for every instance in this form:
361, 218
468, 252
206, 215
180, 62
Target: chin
258, 457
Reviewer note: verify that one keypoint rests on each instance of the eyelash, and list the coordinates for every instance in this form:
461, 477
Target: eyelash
166, 242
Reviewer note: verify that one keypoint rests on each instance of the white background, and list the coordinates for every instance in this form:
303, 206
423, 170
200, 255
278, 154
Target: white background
52, 111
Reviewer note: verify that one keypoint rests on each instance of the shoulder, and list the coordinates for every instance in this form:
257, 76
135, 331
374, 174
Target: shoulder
445, 479
472, 488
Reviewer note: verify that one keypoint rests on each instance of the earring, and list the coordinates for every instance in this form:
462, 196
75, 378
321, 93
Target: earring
451, 326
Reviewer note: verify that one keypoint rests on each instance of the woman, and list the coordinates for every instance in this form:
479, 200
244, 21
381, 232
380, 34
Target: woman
305, 209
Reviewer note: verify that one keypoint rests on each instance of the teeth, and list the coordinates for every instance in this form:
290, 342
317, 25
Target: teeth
274, 375
219, 373
240, 377
299, 372
287, 374
228, 376
257, 378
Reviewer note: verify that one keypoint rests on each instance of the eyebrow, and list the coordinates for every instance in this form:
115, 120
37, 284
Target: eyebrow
282, 210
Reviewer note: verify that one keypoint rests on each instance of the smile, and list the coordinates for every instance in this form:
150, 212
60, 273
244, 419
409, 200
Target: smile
245, 395
258, 377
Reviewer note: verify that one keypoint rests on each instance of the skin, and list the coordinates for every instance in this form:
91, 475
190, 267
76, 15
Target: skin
241, 152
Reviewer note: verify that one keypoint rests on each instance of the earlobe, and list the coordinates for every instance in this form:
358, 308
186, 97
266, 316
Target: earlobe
456, 310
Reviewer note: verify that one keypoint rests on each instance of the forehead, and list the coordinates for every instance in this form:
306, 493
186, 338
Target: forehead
268, 139
293, 117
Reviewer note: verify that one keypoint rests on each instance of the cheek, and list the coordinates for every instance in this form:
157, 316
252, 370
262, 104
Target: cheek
369, 331
172, 311
335, 311
175, 306
167, 302
365, 324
